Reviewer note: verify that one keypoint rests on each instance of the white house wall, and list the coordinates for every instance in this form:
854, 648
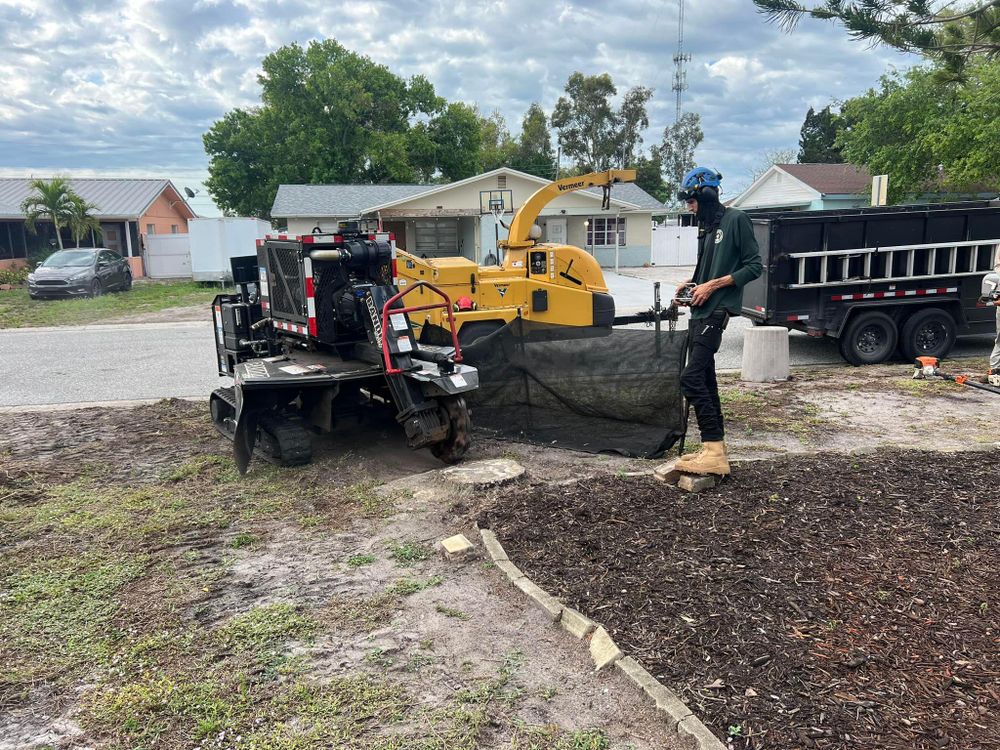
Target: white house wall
778, 189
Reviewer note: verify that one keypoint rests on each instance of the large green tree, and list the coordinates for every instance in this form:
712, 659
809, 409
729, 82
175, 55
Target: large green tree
591, 130
457, 137
534, 147
817, 138
497, 147
327, 115
51, 201
926, 133
949, 31
675, 151
649, 176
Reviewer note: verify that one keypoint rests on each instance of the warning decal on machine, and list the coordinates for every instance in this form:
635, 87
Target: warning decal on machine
458, 380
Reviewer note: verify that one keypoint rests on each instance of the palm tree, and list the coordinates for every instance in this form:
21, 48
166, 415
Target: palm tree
80, 220
51, 200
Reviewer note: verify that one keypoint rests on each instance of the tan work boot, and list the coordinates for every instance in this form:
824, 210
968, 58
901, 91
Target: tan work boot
712, 460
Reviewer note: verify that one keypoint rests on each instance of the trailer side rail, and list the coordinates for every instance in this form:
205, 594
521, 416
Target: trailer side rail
875, 264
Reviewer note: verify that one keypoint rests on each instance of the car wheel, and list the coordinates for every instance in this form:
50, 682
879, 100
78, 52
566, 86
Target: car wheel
927, 333
127, 282
869, 339
96, 290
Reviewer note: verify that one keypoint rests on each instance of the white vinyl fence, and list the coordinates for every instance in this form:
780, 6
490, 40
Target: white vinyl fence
168, 256
675, 246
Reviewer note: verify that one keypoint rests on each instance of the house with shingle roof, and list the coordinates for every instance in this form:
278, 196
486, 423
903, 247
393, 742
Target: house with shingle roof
808, 187
458, 218
128, 210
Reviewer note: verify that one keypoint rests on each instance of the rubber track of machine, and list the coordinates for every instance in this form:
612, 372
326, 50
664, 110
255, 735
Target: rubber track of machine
451, 449
226, 396
289, 435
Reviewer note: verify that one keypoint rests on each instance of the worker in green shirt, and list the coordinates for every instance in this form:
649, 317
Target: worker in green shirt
728, 259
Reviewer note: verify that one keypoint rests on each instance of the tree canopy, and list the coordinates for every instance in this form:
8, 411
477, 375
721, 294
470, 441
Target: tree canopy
327, 115
817, 139
52, 201
928, 134
592, 131
952, 34
533, 153
676, 151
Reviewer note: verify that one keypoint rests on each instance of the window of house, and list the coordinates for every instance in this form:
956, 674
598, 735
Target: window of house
173, 229
601, 231
151, 229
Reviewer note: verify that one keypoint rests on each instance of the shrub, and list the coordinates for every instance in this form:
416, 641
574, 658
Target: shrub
13, 275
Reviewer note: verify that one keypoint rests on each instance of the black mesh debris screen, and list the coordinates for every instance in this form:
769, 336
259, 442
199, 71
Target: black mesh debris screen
590, 389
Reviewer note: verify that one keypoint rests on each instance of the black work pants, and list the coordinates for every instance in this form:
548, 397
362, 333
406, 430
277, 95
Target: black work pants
698, 381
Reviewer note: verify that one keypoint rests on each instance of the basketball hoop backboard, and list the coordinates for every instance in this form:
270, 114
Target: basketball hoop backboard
496, 201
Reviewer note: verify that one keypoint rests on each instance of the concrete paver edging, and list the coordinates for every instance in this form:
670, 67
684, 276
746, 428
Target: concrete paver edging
603, 650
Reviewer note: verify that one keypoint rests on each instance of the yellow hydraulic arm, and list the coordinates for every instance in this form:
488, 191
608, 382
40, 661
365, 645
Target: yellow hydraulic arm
528, 213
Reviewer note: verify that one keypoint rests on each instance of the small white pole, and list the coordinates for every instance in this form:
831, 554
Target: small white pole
617, 215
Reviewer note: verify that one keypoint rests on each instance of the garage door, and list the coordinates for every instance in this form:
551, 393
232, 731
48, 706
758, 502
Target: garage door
436, 237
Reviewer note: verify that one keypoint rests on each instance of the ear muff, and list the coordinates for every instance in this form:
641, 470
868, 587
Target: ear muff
709, 192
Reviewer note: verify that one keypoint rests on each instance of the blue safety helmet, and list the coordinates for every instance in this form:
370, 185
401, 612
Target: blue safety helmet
698, 180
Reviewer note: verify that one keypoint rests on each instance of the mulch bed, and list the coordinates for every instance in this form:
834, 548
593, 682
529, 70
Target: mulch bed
831, 601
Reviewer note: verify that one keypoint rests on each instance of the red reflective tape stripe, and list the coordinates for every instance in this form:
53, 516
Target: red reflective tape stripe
308, 239
310, 286
392, 236
260, 242
312, 327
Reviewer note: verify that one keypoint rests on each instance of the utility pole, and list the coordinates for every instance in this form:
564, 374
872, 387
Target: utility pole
680, 76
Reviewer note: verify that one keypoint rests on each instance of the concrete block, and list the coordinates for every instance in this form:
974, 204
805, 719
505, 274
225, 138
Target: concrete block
666, 699
694, 733
457, 547
667, 473
546, 602
510, 570
493, 546
576, 623
765, 354
603, 650
694, 483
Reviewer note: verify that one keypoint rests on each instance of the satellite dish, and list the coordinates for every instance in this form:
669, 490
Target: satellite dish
190, 193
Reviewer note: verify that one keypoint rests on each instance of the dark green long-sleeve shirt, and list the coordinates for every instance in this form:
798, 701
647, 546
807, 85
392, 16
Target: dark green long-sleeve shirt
736, 254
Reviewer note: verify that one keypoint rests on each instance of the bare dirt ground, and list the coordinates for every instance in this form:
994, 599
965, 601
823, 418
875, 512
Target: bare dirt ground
170, 315
150, 597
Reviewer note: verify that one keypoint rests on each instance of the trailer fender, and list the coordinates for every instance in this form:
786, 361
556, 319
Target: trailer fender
897, 309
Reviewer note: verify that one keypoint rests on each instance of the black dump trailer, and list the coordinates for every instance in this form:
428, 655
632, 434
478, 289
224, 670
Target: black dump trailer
884, 281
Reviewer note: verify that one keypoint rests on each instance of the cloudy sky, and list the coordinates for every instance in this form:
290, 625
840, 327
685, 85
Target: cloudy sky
128, 87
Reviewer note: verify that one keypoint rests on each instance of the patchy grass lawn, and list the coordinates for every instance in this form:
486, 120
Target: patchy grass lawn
17, 310
124, 595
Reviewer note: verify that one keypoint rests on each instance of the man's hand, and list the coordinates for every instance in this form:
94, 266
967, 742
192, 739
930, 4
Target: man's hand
701, 293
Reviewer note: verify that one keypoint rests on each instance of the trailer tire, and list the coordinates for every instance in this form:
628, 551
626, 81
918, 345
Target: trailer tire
869, 339
928, 333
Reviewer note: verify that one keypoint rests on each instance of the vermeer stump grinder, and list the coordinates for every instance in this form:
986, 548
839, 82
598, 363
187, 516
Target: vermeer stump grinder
318, 330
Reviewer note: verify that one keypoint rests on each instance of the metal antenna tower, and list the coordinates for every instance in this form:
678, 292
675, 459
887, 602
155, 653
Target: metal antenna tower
680, 75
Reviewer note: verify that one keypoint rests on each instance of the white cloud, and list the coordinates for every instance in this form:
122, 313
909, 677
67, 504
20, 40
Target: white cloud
131, 85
